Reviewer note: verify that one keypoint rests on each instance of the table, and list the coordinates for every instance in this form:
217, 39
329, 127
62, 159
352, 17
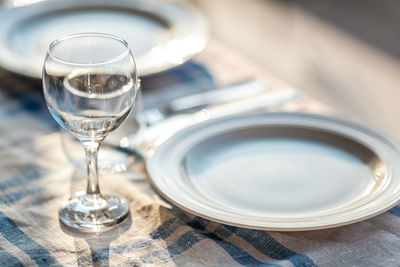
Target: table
36, 177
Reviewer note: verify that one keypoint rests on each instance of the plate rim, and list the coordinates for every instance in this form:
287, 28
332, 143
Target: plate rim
308, 224
10, 60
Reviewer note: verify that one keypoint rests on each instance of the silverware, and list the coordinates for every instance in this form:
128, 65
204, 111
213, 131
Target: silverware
195, 102
150, 137
226, 94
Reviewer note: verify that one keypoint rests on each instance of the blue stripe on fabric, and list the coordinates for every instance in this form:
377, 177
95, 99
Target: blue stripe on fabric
102, 254
29, 103
40, 117
195, 74
7, 259
190, 238
185, 242
31, 248
166, 229
270, 247
25, 177
219, 234
17, 196
190, 72
395, 211
240, 255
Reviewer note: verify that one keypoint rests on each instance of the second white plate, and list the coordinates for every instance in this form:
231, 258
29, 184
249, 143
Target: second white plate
161, 34
279, 171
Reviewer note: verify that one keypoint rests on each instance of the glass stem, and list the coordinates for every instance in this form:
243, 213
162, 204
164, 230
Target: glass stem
92, 149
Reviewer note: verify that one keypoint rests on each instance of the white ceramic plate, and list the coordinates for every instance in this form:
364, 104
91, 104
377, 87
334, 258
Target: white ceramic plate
279, 171
161, 34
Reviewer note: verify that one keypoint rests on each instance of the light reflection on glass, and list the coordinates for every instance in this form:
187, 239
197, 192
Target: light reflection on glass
25, 2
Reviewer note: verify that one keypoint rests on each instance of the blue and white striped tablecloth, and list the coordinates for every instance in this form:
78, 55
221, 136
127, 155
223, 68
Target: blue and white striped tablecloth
36, 177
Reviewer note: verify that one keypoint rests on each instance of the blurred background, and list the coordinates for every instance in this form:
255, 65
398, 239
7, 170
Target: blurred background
345, 53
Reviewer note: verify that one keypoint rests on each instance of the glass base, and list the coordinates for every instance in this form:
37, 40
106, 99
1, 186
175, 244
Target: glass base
93, 213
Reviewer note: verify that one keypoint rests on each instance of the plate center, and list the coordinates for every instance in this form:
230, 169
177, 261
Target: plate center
281, 176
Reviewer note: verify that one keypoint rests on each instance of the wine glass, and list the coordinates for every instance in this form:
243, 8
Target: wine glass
90, 84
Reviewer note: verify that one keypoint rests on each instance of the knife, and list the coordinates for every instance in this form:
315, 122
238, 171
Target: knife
226, 94
194, 102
